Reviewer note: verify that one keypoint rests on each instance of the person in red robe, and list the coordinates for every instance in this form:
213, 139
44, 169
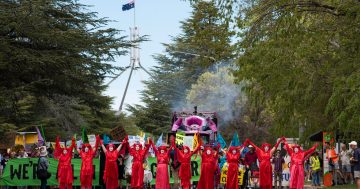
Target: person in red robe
297, 164
137, 169
162, 170
233, 158
184, 157
65, 172
87, 153
111, 168
264, 155
208, 167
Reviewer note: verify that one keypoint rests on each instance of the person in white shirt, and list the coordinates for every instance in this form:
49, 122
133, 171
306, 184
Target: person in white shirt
345, 163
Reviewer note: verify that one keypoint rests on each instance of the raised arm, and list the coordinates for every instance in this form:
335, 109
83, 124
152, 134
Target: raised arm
196, 150
119, 147
252, 144
311, 150
73, 144
287, 148
155, 149
103, 147
97, 142
58, 149
275, 147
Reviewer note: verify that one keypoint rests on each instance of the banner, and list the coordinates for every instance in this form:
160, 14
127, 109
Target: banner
224, 171
22, 172
195, 169
179, 138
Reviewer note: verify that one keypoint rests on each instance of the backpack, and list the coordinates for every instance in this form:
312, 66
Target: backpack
42, 172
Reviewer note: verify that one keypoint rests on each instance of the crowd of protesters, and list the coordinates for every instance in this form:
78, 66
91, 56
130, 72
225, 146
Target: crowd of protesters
305, 165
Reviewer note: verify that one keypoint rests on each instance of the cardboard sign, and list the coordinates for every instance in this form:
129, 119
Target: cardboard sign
224, 171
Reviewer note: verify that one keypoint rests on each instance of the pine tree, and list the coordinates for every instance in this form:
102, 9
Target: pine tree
54, 56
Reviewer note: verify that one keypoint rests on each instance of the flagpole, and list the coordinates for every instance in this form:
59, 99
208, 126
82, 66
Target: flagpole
134, 14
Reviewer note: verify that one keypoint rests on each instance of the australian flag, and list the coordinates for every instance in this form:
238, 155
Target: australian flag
128, 6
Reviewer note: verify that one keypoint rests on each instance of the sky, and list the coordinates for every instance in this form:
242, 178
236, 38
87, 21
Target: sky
159, 19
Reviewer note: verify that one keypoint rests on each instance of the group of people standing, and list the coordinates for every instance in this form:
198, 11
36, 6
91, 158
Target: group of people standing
209, 164
209, 161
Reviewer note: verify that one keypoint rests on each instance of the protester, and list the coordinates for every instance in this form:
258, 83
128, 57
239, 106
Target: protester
334, 165
232, 158
174, 165
42, 169
121, 167
297, 164
355, 160
111, 168
137, 169
184, 157
65, 172
278, 161
264, 154
250, 162
208, 166
87, 153
162, 175
345, 156
315, 169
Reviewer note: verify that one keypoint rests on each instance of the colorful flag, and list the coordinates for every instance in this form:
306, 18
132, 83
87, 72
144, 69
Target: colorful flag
128, 6
221, 140
43, 133
159, 140
235, 140
40, 138
84, 136
106, 139
197, 140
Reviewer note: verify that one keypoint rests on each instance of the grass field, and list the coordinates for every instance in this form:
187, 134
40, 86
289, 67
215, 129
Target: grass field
348, 186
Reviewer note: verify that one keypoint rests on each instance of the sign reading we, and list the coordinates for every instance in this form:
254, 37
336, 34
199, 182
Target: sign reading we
22, 172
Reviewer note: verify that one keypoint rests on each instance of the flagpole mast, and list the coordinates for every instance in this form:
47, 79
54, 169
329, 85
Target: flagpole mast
134, 14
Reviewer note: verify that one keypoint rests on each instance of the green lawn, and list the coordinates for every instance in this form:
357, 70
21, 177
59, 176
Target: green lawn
348, 186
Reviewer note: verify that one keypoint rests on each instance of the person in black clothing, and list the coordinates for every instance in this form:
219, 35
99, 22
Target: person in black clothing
43, 166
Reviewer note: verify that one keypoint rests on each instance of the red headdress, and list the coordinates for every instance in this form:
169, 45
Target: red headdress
137, 144
110, 145
162, 148
232, 148
296, 146
86, 145
208, 148
186, 147
264, 145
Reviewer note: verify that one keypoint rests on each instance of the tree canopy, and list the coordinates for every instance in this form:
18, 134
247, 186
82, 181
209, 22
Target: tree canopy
54, 57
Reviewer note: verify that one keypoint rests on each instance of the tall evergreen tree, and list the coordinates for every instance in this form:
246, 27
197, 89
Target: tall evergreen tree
54, 56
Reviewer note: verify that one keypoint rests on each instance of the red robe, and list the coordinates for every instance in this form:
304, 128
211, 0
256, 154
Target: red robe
87, 169
111, 170
162, 169
65, 172
232, 181
208, 167
185, 167
297, 166
264, 168
137, 169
